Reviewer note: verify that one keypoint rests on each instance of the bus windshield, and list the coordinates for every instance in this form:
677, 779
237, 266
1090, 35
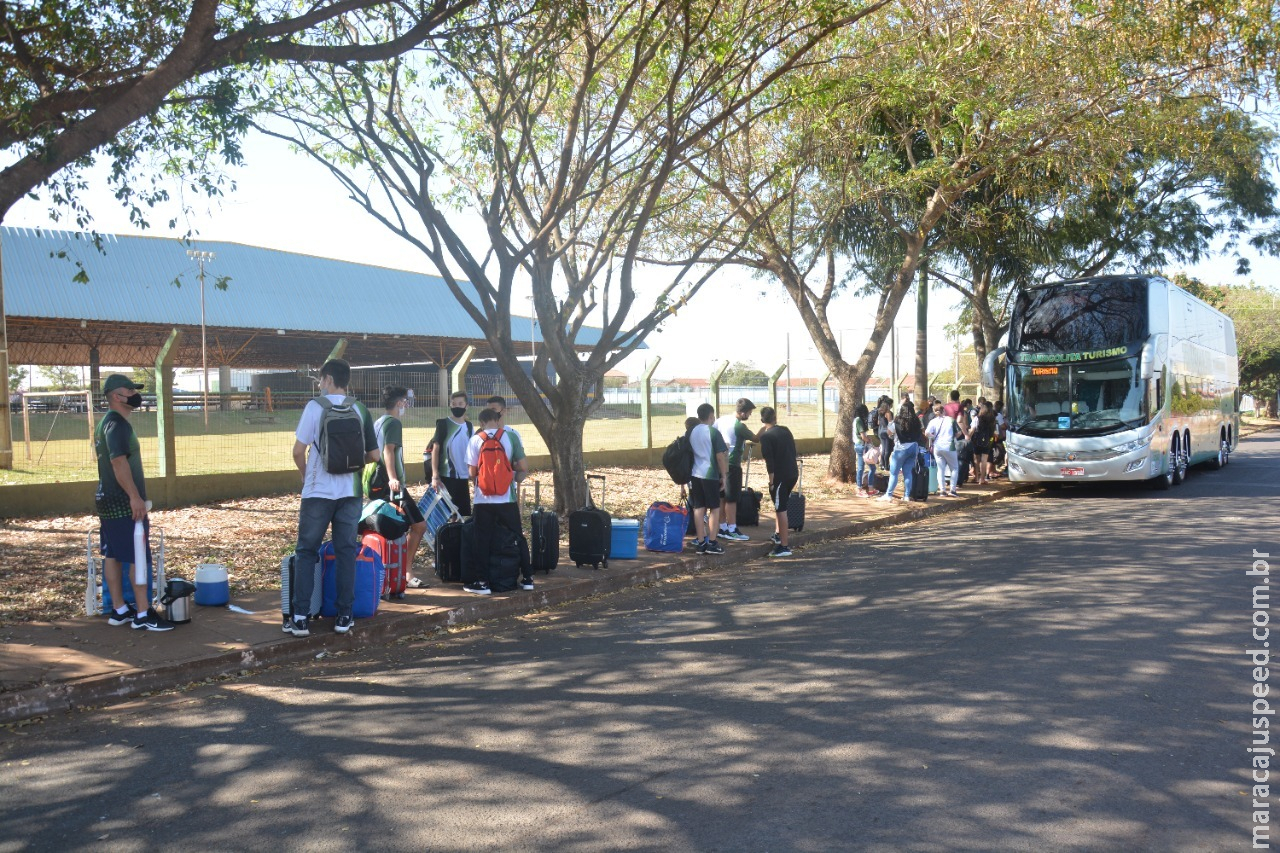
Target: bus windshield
1079, 317
1093, 398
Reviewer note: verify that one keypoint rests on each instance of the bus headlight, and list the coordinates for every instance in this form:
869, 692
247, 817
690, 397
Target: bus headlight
1129, 447
1135, 465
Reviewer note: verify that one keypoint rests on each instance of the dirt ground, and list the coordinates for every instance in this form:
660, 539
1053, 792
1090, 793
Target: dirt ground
43, 570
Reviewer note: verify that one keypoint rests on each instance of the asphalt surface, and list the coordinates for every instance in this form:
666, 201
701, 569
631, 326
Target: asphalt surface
1060, 671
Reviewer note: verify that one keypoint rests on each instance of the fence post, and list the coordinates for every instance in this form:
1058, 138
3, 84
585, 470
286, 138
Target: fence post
166, 435
646, 411
773, 386
339, 347
716, 373
822, 405
458, 375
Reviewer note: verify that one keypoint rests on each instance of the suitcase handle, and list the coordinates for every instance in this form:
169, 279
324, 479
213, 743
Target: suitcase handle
599, 477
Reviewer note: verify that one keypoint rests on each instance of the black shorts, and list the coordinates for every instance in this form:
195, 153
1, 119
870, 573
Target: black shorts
780, 492
733, 485
459, 489
704, 494
409, 507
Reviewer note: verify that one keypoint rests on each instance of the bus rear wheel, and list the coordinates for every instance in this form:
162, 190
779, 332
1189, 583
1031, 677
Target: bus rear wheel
1223, 456
1178, 463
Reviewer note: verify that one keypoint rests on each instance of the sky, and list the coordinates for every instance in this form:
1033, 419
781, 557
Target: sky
285, 201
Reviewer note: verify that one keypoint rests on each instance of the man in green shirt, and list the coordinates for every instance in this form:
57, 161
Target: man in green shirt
733, 429
391, 484
121, 500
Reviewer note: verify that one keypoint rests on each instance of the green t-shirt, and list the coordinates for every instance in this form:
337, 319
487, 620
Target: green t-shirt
114, 437
391, 431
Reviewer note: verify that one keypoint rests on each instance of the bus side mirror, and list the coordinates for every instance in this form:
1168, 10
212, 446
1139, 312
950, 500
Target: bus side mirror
1152, 351
989, 366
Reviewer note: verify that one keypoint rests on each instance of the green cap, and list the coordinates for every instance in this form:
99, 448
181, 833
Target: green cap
119, 380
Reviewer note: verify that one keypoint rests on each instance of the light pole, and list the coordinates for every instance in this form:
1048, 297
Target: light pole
203, 258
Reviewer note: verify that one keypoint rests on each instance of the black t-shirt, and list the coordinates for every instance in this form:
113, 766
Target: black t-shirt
778, 448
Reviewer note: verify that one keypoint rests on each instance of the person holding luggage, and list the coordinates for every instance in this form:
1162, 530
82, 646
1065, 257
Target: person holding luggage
733, 429
903, 460
710, 470
494, 457
882, 424
389, 481
329, 499
120, 501
448, 450
941, 435
778, 447
865, 473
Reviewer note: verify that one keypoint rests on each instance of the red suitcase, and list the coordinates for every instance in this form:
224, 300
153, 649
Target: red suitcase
393, 551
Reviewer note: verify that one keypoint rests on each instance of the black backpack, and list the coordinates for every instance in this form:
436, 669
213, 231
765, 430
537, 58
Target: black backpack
678, 460
341, 444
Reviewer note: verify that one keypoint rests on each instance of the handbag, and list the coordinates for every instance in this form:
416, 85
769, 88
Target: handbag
871, 456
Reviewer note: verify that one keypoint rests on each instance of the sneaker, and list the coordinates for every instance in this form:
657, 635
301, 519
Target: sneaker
779, 550
151, 622
288, 623
477, 588
298, 627
700, 546
735, 536
775, 539
125, 618
954, 493
526, 583
343, 625
712, 547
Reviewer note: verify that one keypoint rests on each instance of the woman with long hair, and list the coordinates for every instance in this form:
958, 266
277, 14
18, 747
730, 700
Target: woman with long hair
865, 474
982, 437
907, 448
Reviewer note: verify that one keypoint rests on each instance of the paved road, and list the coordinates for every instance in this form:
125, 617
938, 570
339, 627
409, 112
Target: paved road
1063, 671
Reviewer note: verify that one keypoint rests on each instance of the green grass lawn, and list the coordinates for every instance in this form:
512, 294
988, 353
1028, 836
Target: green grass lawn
239, 441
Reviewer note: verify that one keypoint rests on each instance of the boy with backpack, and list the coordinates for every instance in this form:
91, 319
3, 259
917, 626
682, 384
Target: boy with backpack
493, 461
334, 440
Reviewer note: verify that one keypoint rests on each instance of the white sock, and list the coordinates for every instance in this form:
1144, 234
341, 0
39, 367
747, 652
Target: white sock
142, 614
122, 610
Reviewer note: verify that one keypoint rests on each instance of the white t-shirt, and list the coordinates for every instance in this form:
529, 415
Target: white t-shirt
319, 483
942, 430
515, 452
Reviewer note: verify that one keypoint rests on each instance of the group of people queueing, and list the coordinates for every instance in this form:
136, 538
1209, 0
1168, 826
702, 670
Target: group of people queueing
962, 438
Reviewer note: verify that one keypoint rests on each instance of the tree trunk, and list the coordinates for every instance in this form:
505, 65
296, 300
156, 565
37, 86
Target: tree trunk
568, 472
922, 339
843, 465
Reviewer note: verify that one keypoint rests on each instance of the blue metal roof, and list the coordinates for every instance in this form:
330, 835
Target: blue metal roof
131, 280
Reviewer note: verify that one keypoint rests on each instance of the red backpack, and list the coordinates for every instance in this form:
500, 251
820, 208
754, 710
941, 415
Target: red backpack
493, 473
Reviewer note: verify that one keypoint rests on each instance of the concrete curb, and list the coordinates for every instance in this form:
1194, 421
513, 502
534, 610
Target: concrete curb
96, 690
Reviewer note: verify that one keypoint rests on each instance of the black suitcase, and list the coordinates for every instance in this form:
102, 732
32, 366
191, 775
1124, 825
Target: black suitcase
449, 552
796, 502
882, 483
749, 499
689, 529
544, 535
920, 480
591, 531
504, 559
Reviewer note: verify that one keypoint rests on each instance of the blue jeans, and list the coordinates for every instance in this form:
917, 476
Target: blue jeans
866, 474
314, 518
904, 460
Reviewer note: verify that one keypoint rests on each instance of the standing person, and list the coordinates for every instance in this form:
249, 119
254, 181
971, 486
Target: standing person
710, 470
941, 434
733, 429
997, 449
982, 436
448, 449
328, 499
494, 507
778, 447
952, 408
882, 424
120, 501
964, 449
865, 473
499, 404
910, 435
392, 484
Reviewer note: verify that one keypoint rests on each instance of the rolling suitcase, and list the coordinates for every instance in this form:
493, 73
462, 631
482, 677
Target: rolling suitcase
448, 552
395, 572
748, 498
369, 579
664, 527
920, 480
288, 571
591, 531
796, 502
544, 535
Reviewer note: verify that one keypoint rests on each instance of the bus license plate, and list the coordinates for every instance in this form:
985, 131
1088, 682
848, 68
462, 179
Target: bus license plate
1072, 472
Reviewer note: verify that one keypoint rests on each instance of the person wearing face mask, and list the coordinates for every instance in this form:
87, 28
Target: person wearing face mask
121, 500
448, 450
390, 482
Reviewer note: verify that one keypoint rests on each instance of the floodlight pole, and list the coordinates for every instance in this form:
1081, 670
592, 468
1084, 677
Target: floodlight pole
203, 258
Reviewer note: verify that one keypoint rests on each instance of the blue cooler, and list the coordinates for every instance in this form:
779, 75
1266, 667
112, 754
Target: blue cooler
625, 539
212, 587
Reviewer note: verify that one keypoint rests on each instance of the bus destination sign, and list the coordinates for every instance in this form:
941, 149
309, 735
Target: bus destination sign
1071, 357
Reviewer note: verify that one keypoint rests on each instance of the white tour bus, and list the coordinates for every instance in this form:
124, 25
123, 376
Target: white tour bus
1117, 378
